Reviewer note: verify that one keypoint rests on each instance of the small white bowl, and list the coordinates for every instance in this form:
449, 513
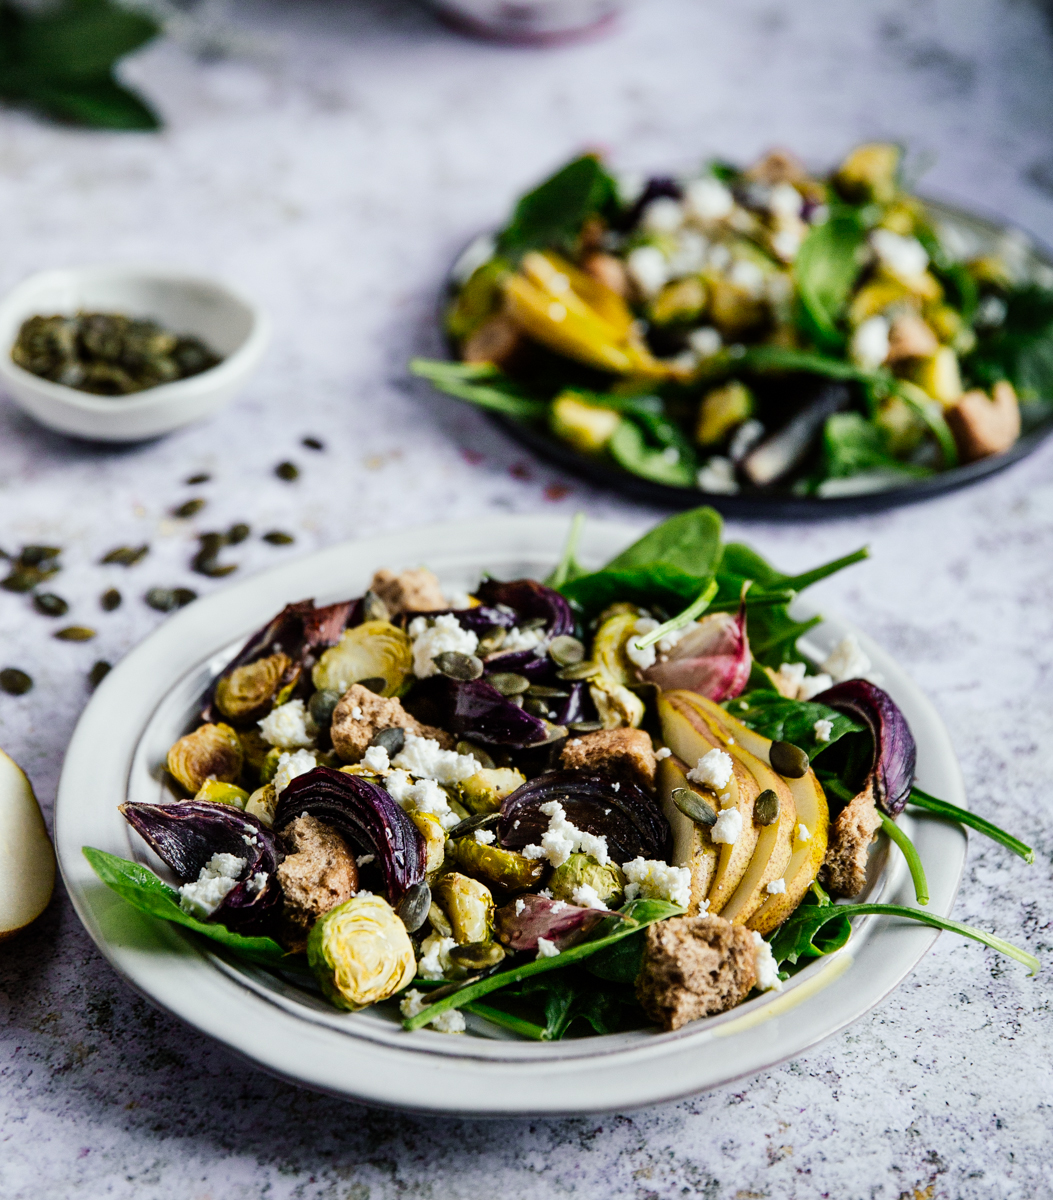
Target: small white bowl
231, 325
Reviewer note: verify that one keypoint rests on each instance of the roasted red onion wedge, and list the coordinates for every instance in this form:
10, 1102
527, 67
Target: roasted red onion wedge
895, 754
713, 660
519, 925
476, 710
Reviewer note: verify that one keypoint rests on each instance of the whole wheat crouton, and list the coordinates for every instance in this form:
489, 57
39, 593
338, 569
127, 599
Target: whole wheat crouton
844, 870
416, 590
983, 425
317, 874
361, 714
627, 750
693, 967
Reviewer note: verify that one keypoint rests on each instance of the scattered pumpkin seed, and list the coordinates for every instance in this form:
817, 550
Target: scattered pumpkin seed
697, 807
555, 733
375, 684
312, 443
238, 533
98, 673
374, 609
25, 579
788, 760
536, 707
201, 477
547, 693
205, 561
766, 807
471, 824
492, 640
455, 665
50, 605
126, 556
476, 955
287, 471
565, 650
110, 599
582, 670
189, 508
75, 633
414, 906
15, 682
508, 683
585, 726
321, 706
35, 556
533, 623
277, 538
478, 753
169, 599
392, 739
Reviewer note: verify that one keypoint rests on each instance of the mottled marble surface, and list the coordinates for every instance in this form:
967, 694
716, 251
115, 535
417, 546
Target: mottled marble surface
332, 172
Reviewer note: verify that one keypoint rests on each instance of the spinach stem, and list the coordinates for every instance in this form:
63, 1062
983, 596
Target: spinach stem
696, 608
942, 808
799, 582
910, 853
562, 572
526, 1029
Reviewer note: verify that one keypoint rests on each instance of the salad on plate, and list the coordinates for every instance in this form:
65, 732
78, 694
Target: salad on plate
615, 799
760, 331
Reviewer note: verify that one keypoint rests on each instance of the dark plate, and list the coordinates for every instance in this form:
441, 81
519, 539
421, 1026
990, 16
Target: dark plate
783, 505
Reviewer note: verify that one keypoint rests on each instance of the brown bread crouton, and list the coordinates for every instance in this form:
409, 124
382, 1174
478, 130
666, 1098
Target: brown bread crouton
496, 341
844, 870
910, 337
627, 750
983, 425
693, 967
416, 590
361, 714
317, 874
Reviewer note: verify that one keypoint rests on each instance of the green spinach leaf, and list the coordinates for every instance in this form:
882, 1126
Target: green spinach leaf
481, 384
852, 445
1020, 349
551, 216
689, 541
655, 449
826, 269
783, 720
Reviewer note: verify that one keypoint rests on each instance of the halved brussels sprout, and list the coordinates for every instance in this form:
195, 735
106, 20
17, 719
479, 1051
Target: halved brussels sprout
210, 752
468, 905
373, 650
249, 690
484, 791
431, 830
254, 748
608, 647
361, 953
496, 867
615, 704
269, 766
582, 870
222, 793
262, 804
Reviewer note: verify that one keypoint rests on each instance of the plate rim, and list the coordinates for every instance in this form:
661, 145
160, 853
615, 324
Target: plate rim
187, 985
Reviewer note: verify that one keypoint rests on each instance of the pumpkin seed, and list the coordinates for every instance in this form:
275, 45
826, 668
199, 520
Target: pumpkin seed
287, 471
201, 477
556, 733
478, 753
15, 682
110, 599
565, 650
75, 633
205, 561
321, 706
413, 907
455, 665
536, 707
35, 556
189, 508
789, 760
392, 739
585, 726
475, 955
692, 805
532, 623
98, 673
766, 807
547, 693
237, 533
312, 443
492, 640
508, 683
375, 684
277, 538
374, 609
169, 599
126, 556
582, 670
471, 824
25, 579
50, 605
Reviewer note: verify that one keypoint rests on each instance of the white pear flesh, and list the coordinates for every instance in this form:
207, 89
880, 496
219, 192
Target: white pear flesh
27, 861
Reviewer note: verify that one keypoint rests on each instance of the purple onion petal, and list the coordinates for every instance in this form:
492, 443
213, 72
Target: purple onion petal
521, 923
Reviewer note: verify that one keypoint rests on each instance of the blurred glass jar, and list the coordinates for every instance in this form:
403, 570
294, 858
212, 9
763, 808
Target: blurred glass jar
530, 22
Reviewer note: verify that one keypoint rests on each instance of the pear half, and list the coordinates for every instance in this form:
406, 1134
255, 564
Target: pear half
812, 812
692, 846
27, 861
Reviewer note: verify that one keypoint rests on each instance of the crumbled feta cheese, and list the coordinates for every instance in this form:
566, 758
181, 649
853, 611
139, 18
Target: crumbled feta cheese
431, 636
364, 860
869, 345
847, 660
617, 787
727, 827
689, 254
799, 686
559, 905
546, 949
748, 434
645, 657
299, 762
776, 887
356, 713
586, 896
520, 905
822, 730
784, 200
485, 836
787, 240
450, 1021
663, 215
903, 256
812, 685
524, 639
435, 958
412, 1004
288, 726
376, 758
767, 969
458, 599
561, 839
257, 883
662, 752
803, 834
717, 475
205, 894
705, 341
746, 274
719, 257
250, 839
656, 880
991, 311
671, 455
714, 769
708, 199
426, 759
648, 269
423, 796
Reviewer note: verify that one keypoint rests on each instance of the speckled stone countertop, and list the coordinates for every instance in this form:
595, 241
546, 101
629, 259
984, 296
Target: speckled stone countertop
332, 171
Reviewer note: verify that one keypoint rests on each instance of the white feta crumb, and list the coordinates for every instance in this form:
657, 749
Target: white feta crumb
803, 834
847, 660
717, 475
663, 215
767, 969
288, 726
656, 880
450, 1021
436, 635
426, 759
546, 893
435, 958
822, 730
776, 887
798, 685
546, 949
746, 274
412, 1004
257, 883
559, 905
517, 639
485, 836
642, 656
616, 787
520, 905
903, 256
708, 199
869, 345
562, 839
299, 762
376, 758
424, 796
812, 685
714, 769
217, 877
648, 269
356, 713
586, 896
662, 752
364, 860
784, 200
250, 839
458, 600
705, 341
744, 705
727, 827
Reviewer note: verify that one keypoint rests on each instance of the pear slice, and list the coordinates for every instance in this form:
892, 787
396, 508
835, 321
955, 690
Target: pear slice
27, 861
812, 812
692, 846
690, 736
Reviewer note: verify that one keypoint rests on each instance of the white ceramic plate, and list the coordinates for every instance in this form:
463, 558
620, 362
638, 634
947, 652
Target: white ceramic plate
145, 704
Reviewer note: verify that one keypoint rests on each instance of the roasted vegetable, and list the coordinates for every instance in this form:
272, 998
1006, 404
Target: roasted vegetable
485, 790
210, 752
521, 923
361, 953
248, 691
495, 866
374, 650
468, 905
215, 792
581, 878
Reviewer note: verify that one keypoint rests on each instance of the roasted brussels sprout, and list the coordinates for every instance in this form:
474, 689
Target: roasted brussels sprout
222, 793
721, 411
496, 867
615, 704
468, 905
375, 649
608, 648
431, 831
361, 953
581, 871
870, 173
587, 427
254, 749
262, 804
269, 766
485, 790
210, 752
248, 691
